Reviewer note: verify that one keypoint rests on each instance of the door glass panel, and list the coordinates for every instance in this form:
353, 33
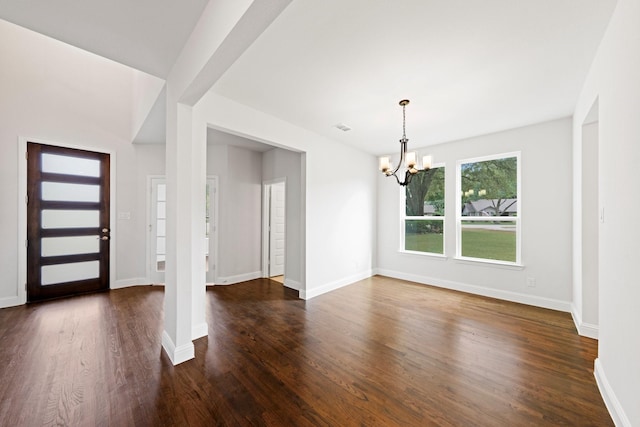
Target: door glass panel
55, 246
70, 192
68, 165
162, 210
61, 273
161, 225
162, 192
160, 253
70, 218
160, 244
160, 262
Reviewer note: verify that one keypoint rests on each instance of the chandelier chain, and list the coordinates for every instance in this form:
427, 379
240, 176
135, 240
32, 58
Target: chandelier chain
404, 120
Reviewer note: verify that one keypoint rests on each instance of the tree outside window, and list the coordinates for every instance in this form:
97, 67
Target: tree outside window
488, 220
423, 219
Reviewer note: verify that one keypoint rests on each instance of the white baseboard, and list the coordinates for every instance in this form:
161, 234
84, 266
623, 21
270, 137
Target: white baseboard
588, 330
331, 286
292, 284
10, 302
177, 354
610, 400
199, 331
230, 280
536, 301
125, 283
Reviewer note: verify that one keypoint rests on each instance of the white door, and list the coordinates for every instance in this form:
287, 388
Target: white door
211, 231
157, 229
277, 227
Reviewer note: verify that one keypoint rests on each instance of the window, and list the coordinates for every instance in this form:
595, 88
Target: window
488, 217
423, 215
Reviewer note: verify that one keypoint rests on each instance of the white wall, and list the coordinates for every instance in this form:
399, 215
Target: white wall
52, 91
240, 211
276, 164
339, 185
613, 81
545, 211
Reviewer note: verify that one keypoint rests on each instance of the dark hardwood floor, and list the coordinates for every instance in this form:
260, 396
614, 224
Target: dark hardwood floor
381, 352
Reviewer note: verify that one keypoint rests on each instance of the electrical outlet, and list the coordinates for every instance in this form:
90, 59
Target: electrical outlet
531, 282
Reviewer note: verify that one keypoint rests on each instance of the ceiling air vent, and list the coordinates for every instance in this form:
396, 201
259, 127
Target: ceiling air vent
343, 127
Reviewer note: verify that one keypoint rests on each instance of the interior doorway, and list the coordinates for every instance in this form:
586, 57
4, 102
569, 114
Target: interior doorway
156, 242
274, 229
592, 216
68, 221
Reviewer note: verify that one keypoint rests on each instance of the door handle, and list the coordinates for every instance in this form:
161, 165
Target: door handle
103, 238
105, 230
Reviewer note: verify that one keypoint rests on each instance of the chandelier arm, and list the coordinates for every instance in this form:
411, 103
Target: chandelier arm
398, 179
403, 149
407, 177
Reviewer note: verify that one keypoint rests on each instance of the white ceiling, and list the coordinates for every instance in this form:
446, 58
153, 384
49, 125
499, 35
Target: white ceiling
469, 67
144, 34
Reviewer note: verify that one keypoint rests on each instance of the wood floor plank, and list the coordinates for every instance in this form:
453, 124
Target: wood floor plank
381, 352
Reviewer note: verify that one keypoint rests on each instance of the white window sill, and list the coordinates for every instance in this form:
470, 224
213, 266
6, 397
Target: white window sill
423, 254
489, 263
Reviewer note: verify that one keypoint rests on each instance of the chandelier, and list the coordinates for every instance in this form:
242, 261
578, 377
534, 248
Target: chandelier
409, 159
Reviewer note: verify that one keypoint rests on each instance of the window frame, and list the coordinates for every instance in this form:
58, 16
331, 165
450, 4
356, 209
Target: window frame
517, 219
404, 218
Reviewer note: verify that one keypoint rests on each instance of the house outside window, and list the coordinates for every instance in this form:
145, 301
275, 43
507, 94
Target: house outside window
423, 213
488, 217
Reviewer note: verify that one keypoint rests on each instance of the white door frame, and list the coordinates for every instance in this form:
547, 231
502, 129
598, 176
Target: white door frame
266, 195
213, 234
21, 295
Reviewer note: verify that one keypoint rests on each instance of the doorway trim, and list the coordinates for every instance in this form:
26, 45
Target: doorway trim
21, 296
588, 227
213, 234
265, 223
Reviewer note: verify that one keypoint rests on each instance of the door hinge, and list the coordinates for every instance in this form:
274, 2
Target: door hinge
26, 155
26, 199
26, 243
